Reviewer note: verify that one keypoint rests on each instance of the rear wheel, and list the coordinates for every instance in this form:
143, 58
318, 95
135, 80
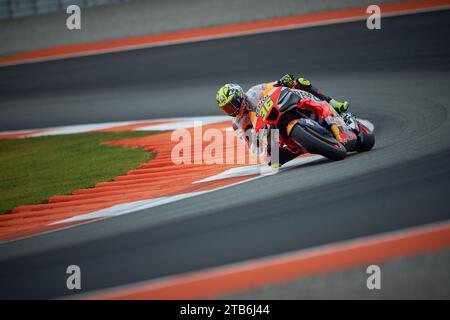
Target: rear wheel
329, 148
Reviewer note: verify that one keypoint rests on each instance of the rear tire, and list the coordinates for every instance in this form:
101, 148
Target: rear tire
315, 145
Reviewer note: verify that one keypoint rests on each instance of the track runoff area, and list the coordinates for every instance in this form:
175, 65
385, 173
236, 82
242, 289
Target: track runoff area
194, 156
147, 187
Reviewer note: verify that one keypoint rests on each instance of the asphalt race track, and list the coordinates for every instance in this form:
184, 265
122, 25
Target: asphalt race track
397, 77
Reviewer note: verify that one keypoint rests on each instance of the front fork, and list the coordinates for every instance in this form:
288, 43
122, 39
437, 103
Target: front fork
345, 129
334, 128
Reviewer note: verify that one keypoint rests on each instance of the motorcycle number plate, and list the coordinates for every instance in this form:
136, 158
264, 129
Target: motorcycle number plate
265, 108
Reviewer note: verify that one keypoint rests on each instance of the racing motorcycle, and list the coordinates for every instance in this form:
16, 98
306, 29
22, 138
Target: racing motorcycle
307, 124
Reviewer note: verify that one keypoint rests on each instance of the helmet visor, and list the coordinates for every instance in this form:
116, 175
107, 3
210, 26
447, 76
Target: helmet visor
230, 109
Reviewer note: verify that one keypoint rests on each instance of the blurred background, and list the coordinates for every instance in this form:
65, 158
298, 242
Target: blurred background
33, 24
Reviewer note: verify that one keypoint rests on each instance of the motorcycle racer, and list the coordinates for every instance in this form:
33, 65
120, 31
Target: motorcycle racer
233, 101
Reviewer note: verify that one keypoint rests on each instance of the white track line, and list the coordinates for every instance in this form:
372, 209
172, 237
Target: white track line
134, 206
176, 123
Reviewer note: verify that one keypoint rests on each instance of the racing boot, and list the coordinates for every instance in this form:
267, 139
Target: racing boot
340, 107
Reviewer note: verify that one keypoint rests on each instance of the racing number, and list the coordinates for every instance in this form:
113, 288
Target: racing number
265, 108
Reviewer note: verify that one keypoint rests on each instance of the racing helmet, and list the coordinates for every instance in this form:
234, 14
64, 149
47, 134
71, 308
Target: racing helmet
231, 99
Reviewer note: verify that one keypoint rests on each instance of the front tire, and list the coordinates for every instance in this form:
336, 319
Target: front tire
313, 144
367, 141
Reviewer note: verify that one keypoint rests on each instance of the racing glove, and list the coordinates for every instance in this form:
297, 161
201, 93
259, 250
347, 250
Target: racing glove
288, 80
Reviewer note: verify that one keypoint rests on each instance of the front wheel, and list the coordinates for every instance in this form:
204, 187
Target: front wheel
329, 148
366, 140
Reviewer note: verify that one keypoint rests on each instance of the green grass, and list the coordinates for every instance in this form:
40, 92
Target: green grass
33, 169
